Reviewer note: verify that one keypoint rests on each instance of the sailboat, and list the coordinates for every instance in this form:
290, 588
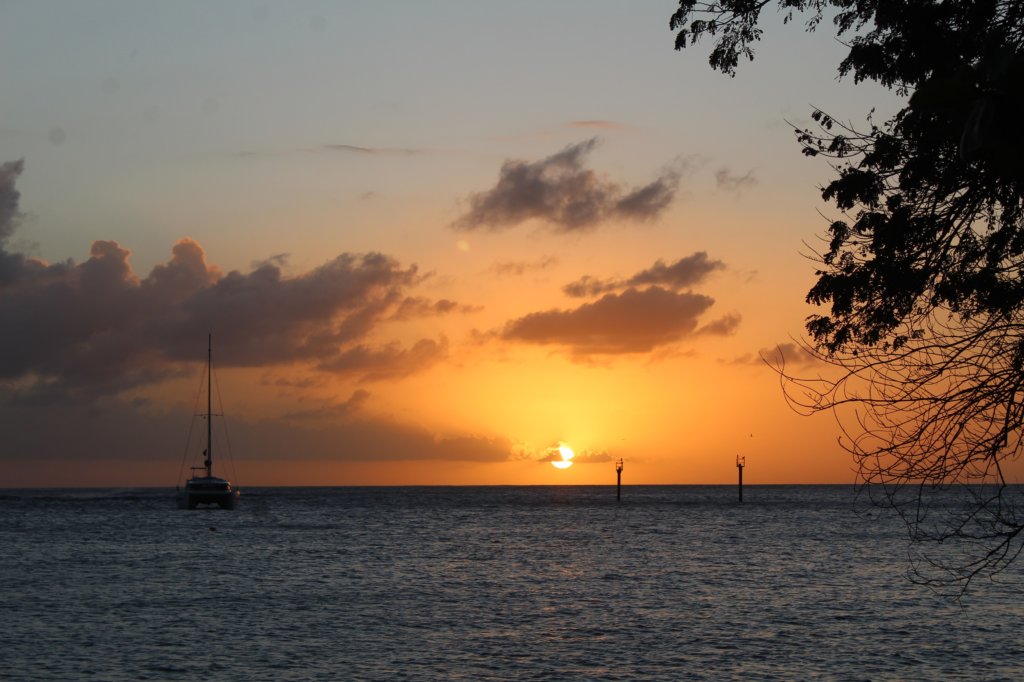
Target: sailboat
203, 487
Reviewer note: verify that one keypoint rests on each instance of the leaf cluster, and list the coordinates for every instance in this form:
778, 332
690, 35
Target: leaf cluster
932, 198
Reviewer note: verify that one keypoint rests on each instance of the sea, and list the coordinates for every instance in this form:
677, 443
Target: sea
485, 583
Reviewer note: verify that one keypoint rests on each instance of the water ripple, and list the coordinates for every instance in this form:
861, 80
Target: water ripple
481, 584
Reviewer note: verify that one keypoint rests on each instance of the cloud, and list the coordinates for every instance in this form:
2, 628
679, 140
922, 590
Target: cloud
588, 286
348, 149
561, 191
414, 307
634, 321
723, 326
115, 429
638, 314
98, 326
552, 454
390, 361
12, 265
9, 197
598, 124
684, 273
372, 151
519, 268
330, 411
788, 354
647, 202
75, 335
292, 381
360, 438
729, 182
592, 457
278, 259
83, 330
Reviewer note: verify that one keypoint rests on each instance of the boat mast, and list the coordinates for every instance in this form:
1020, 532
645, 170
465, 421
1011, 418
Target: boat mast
209, 405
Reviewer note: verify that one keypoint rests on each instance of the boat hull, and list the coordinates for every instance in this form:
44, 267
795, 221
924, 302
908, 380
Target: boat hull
207, 491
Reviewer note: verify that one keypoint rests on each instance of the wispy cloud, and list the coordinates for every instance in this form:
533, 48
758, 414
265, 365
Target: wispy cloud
790, 353
413, 307
333, 148
598, 124
562, 192
372, 151
684, 273
730, 182
519, 268
784, 354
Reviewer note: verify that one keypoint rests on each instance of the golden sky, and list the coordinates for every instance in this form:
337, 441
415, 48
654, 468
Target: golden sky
432, 242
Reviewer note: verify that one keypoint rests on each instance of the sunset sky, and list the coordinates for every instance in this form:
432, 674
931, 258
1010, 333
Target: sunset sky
433, 242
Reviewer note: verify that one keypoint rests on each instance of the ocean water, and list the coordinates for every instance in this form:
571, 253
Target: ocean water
504, 583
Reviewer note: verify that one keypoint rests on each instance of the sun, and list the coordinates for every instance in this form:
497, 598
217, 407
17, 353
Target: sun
567, 454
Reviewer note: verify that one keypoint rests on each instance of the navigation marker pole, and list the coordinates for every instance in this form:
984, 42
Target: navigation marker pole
618, 485
740, 463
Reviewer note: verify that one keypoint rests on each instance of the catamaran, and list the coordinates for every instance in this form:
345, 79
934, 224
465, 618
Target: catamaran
206, 488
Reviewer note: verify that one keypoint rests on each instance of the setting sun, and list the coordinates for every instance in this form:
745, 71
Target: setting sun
567, 455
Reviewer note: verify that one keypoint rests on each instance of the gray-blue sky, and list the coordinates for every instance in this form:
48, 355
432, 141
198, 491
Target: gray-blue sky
326, 130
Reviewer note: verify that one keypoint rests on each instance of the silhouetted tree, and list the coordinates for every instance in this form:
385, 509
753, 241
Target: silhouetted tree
923, 275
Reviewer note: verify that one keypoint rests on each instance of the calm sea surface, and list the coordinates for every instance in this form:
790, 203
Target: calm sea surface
544, 583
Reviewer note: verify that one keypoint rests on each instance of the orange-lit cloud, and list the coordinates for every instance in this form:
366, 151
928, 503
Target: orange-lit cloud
635, 315
559, 190
634, 321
